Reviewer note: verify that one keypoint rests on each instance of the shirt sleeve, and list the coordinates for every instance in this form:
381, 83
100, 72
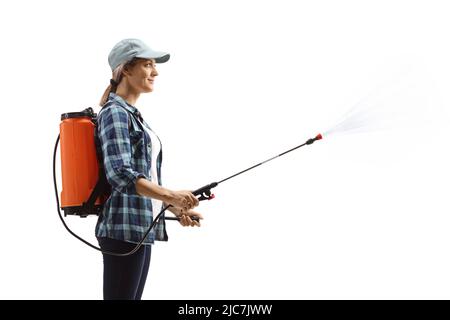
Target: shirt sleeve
114, 137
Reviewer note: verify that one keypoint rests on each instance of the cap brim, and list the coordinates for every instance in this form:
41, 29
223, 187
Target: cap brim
160, 57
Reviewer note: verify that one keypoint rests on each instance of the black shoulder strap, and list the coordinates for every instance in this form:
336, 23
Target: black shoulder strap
102, 187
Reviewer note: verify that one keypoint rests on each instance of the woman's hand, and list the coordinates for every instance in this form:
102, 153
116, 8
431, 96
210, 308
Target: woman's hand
185, 216
184, 200
186, 221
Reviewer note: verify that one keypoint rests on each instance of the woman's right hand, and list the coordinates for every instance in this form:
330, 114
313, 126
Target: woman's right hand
184, 200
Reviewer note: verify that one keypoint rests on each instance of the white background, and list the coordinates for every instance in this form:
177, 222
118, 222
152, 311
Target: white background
356, 217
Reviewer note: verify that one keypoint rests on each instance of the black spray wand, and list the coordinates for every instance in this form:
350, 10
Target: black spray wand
205, 191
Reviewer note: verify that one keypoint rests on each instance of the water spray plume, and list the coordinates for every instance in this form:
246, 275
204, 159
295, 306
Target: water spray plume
402, 104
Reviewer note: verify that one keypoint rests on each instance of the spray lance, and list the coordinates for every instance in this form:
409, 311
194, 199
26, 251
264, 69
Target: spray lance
205, 191
83, 177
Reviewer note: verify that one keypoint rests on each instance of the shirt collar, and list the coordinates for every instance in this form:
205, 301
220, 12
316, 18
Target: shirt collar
123, 103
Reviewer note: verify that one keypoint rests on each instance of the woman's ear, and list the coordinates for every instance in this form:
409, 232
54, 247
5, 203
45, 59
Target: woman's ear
126, 71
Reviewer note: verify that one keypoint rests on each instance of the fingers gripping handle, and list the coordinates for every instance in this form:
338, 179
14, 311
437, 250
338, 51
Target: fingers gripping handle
204, 193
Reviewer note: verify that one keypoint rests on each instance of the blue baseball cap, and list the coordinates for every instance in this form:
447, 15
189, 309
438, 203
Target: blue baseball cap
127, 49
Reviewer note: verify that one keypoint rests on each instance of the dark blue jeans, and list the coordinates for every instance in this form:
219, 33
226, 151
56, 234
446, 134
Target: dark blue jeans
124, 277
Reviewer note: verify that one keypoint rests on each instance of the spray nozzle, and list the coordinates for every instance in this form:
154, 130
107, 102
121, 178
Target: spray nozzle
311, 141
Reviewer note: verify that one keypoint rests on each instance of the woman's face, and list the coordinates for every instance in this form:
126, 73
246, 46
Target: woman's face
142, 75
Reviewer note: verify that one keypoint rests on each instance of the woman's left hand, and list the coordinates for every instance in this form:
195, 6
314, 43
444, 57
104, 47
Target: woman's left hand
185, 218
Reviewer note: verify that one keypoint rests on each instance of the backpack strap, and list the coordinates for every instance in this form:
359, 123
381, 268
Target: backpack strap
102, 187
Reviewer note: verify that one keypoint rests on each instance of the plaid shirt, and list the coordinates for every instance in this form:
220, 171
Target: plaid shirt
126, 153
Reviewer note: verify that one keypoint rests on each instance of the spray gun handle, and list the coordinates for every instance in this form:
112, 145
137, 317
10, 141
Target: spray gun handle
205, 192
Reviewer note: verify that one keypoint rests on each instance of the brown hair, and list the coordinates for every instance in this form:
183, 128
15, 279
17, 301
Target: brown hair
117, 76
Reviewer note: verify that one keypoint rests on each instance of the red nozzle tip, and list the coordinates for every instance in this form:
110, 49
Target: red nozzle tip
319, 137
211, 197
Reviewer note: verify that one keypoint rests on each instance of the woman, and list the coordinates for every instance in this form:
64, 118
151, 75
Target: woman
132, 156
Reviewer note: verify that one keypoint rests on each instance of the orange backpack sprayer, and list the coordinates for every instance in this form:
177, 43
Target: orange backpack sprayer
85, 187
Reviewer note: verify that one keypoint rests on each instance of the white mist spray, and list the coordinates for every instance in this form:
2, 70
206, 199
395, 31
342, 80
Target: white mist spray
406, 103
